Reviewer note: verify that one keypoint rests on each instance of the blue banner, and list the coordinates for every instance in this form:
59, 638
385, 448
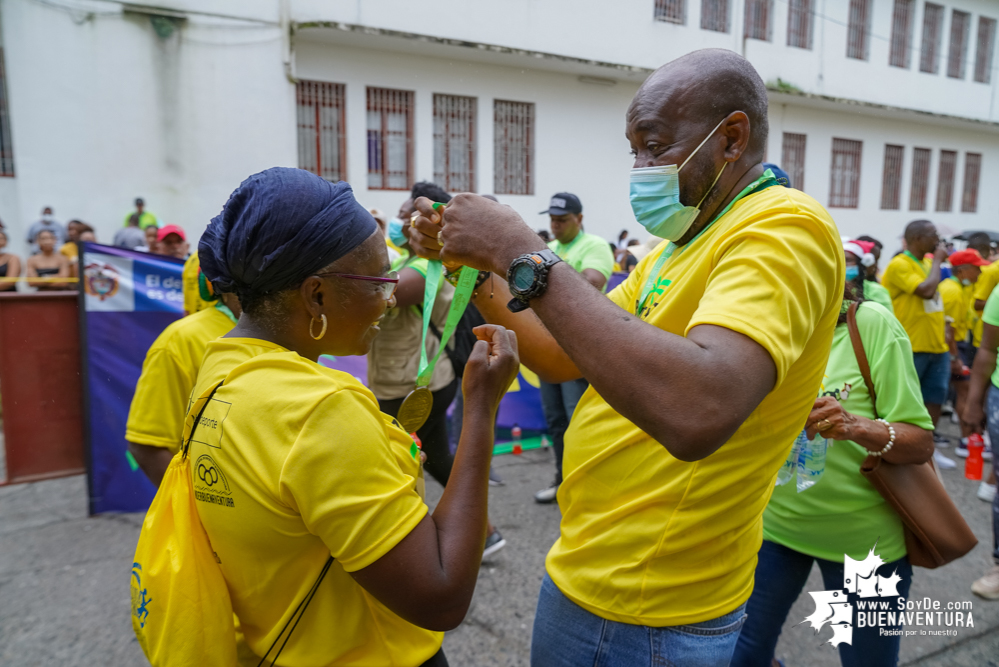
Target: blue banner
128, 299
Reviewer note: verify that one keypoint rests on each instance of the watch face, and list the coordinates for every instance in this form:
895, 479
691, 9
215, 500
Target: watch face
523, 276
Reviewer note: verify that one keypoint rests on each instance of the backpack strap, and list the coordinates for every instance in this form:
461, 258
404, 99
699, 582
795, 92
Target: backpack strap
197, 420
858, 350
296, 616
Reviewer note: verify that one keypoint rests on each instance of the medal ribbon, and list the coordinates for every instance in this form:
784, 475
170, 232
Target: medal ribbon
462, 295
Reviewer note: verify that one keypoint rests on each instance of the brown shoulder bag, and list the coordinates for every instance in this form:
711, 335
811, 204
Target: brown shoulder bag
935, 531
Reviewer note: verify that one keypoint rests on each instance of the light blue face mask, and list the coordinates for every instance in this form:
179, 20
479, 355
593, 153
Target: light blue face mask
966, 282
395, 232
655, 197
852, 272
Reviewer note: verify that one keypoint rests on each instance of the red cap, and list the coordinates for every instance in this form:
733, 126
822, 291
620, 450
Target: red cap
969, 256
170, 229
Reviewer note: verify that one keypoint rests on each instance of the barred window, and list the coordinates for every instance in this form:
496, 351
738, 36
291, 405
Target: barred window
390, 139
859, 29
800, 19
960, 31
891, 179
920, 179
844, 188
714, 15
901, 33
983, 54
6, 147
454, 142
759, 14
513, 148
322, 147
972, 174
945, 182
792, 159
671, 11
929, 56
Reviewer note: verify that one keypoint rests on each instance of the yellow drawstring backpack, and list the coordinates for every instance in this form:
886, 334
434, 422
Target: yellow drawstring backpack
181, 610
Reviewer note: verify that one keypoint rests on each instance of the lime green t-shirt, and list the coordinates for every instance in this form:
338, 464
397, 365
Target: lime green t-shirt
877, 293
586, 251
991, 316
843, 513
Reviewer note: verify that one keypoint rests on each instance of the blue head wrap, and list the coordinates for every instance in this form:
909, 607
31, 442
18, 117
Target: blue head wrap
279, 227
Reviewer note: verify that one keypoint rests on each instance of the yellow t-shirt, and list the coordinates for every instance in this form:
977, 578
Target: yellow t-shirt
923, 319
192, 295
305, 466
649, 539
958, 302
987, 282
70, 250
162, 395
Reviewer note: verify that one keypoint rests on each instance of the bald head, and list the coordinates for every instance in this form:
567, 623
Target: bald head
702, 88
916, 229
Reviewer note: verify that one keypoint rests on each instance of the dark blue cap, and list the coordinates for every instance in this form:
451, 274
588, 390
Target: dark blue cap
779, 174
562, 203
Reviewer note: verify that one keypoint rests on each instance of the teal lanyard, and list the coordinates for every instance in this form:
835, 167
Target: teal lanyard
462, 295
921, 266
653, 282
224, 309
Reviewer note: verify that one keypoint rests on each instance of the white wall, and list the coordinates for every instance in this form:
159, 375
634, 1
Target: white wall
580, 145
104, 110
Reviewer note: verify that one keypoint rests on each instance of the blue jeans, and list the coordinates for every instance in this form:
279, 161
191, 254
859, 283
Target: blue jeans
566, 635
780, 575
992, 417
558, 401
933, 369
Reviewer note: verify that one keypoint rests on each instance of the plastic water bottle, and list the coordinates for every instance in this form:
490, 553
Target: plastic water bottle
516, 433
786, 472
811, 460
545, 442
973, 464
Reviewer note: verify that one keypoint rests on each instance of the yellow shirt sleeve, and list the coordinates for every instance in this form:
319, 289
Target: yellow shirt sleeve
342, 476
777, 299
986, 282
156, 416
902, 277
954, 306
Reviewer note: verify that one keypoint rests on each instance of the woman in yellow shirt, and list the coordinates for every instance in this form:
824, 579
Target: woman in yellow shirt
294, 463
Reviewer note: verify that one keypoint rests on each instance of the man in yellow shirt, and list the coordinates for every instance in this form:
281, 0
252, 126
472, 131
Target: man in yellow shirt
912, 281
987, 282
162, 394
725, 332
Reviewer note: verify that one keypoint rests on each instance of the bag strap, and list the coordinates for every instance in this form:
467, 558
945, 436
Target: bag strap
296, 616
197, 420
858, 350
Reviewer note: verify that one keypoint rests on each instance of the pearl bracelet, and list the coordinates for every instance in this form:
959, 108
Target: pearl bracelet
891, 438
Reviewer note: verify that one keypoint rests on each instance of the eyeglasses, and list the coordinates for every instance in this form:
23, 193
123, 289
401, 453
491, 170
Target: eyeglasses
389, 282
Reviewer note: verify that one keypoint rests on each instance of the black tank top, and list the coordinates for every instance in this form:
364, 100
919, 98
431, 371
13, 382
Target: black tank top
43, 273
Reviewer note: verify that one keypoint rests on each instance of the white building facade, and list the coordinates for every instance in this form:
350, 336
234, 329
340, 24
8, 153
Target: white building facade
883, 110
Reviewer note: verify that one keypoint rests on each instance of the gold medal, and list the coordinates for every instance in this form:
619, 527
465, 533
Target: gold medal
415, 409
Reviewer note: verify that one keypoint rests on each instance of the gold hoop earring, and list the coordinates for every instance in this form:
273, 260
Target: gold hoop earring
321, 333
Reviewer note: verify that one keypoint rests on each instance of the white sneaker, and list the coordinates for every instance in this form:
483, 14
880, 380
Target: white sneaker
943, 462
986, 491
988, 586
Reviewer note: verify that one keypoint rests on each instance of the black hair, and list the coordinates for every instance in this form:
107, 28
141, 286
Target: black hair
431, 191
915, 229
980, 240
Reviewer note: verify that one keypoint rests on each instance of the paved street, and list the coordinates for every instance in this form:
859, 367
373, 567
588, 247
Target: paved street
64, 582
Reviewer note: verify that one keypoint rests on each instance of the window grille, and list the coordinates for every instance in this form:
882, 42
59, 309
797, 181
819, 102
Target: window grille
929, 57
322, 147
454, 142
945, 182
513, 148
920, 179
671, 11
714, 15
6, 147
960, 31
793, 159
758, 18
844, 188
891, 179
972, 174
983, 54
800, 19
901, 33
859, 29
390, 139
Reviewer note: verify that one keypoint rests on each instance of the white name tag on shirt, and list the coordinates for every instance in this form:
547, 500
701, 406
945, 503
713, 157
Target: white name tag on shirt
934, 305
